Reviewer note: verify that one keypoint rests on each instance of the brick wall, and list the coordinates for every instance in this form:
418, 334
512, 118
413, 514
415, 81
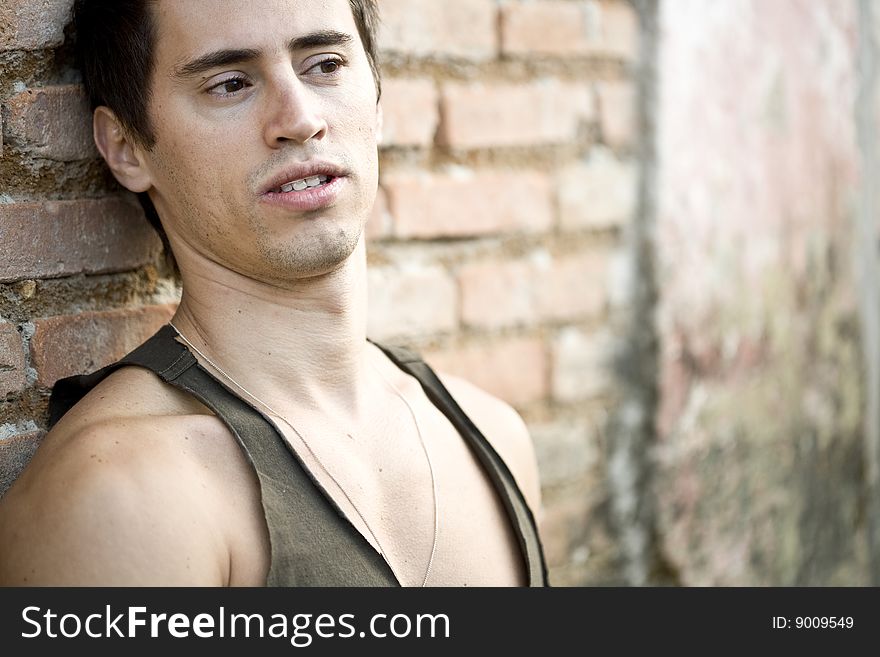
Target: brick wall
508, 174
81, 277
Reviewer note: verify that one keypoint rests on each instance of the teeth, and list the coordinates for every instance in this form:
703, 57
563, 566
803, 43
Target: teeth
305, 183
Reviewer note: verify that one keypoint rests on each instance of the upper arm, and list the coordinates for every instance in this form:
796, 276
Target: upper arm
91, 512
506, 432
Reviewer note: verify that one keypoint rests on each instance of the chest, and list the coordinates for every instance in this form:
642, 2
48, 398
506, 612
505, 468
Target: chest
414, 494
477, 543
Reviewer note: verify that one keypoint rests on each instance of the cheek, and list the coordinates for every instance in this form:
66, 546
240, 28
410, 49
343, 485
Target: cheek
191, 192
364, 131
195, 162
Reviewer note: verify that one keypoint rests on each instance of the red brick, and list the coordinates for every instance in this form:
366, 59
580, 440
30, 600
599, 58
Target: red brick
410, 301
478, 115
77, 344
559, 27
52, 122
12, 364
549, 27
16, 452
60, 238
571, 287
466, 203
411, 112
599, 193
496, 294
33, 24
379, 222
581, 365
619, 25
428, 28
513, 369
617, 113
533, 290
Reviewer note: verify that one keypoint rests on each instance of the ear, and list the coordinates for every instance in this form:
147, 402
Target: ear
123, 156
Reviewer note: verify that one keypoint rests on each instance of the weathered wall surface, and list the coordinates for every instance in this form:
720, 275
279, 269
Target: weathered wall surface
508, 173
868, 267
759, 463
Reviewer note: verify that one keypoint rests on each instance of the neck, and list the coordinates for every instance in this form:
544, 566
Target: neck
299, 345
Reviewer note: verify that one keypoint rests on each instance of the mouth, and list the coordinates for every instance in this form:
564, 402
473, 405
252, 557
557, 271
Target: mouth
303, 184
306, 187
304, 177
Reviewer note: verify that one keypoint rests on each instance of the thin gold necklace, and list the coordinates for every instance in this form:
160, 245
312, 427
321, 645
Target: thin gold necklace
397, 392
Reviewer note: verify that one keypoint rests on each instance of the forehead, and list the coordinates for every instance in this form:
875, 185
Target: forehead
188, 29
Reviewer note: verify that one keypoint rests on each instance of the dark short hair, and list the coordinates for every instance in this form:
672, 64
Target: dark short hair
114, 45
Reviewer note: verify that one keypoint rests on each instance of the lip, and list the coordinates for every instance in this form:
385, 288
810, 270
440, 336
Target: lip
303, 170
313, 198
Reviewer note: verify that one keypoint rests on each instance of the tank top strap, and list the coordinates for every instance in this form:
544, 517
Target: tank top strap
156, 354
517, 509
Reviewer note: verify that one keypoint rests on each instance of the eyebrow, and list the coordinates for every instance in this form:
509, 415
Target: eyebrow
220, 58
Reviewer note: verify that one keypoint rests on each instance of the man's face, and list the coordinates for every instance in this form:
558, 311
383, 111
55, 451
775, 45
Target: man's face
248, 97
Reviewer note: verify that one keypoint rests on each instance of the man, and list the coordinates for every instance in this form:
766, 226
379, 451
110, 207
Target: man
262, 439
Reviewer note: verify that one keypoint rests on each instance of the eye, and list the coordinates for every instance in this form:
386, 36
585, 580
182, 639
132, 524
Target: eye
229, 87
328, 67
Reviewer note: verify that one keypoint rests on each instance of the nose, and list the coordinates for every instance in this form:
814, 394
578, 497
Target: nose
294, 113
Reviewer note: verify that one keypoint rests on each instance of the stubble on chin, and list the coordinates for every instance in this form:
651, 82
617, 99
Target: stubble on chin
309, 255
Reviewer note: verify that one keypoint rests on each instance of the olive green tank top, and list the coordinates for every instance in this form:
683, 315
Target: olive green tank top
312, 541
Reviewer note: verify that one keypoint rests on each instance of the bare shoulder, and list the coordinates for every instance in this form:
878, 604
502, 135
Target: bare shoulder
114, 498
505, 431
